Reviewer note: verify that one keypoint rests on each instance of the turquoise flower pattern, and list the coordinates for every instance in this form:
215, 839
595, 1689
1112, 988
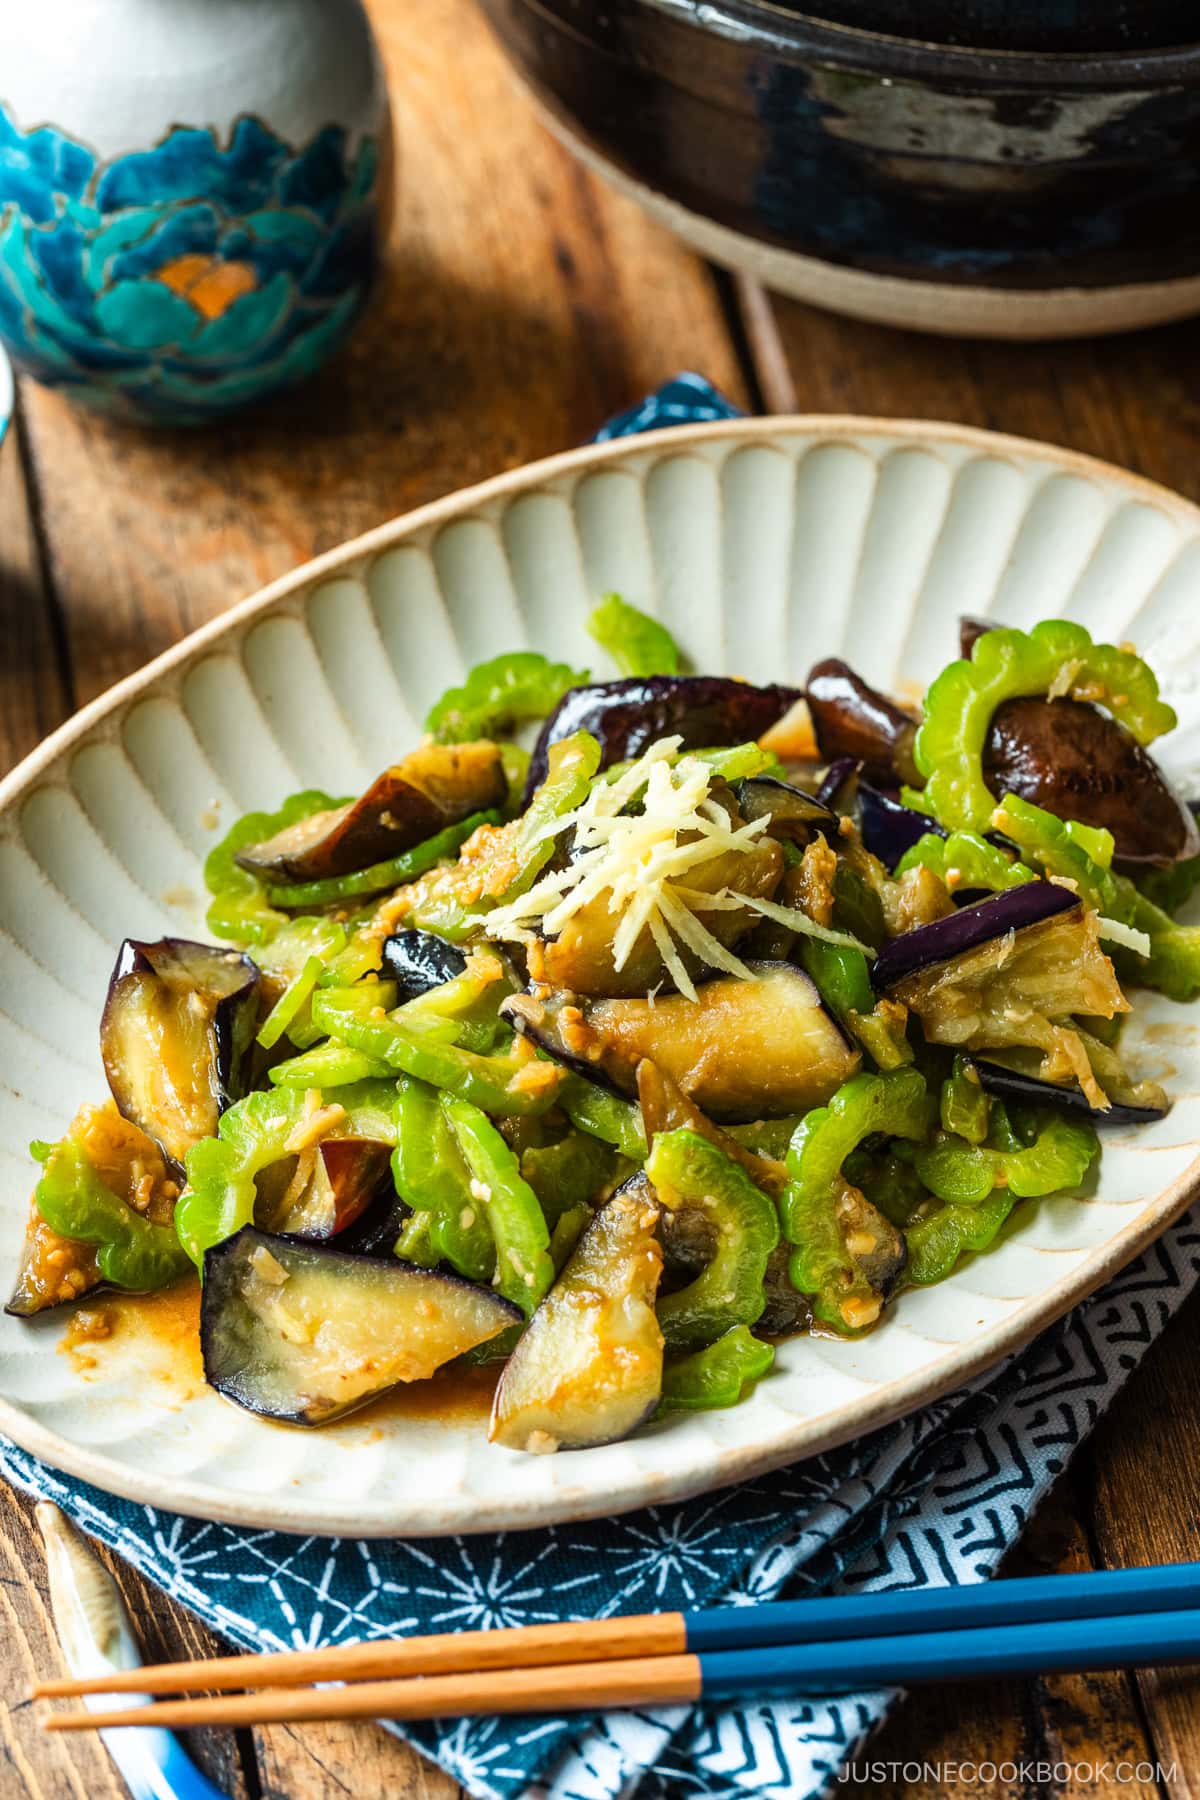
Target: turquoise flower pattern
174, 284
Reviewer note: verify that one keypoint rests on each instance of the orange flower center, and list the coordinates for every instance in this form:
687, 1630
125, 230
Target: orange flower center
211, 285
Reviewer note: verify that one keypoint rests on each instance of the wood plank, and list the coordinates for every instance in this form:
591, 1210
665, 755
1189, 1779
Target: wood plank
321, 1762
1147, 1461
35, 693
35, 696
170, 1633
1132, 400
522, 304
31, 1763
56, 1766
1070, 1721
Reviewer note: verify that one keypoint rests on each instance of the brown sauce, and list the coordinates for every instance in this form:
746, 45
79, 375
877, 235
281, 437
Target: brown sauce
160, 1333
172, 1315
454, 1396
87, 1327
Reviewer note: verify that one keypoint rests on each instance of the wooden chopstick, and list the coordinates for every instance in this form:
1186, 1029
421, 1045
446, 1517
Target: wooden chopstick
1161, 1587
521, 1646
665, 1679
1042, 1647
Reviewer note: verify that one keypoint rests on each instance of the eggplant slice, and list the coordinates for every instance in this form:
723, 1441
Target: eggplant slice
1018, 990
1013, 1084
56, 1270
347, 1175
875, 1247
581, 956
1078, 763
176, 1036
787, 1312
741, 1050
588, 1369
689, 1243
305, 1333
835, 785
888, 827
852, 719
418, 961
627, 716
795, 817
968, 928
434, 787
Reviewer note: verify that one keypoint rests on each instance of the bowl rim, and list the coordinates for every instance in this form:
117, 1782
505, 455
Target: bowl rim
201, 1498
800, 38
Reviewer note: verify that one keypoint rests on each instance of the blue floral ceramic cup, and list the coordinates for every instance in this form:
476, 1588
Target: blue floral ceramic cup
170, 272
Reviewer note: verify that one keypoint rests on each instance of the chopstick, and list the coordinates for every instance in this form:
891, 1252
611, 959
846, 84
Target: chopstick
1159, 1587
1042, 1647
519, 1647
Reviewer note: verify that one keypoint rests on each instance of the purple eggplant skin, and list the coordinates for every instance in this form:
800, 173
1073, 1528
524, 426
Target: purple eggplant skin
420, 960
888, 827
375, 1231
350, 1176
851, 718
837, 776
434, 786
382, 1323
176, 1037
795, 816
787, 1313
968, 928
1009, 1084
970, 630
536, 1015
1078, 763
627, 716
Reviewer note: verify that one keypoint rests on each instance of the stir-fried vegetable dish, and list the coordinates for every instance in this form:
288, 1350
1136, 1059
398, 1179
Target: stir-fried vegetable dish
726, 1013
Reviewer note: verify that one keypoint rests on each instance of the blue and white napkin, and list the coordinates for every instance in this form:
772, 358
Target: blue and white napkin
934, 1500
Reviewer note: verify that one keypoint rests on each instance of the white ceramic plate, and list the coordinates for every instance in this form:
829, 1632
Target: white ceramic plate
763, 544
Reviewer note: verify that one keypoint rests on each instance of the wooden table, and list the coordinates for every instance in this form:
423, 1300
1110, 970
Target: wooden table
524, 304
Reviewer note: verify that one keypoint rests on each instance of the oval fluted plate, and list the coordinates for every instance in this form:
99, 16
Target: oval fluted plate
762, 544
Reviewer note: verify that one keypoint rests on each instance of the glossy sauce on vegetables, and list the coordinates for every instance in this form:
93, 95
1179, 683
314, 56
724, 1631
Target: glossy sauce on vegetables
701, 959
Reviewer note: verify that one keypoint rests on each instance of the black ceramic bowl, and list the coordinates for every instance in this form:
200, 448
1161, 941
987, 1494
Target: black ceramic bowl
1070, 27
947, 187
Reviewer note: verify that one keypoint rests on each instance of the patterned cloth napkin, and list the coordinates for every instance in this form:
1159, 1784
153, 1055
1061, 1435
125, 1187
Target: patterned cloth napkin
933, 1500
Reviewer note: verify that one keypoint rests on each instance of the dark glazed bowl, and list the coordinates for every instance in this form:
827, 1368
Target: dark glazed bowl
1068, 27
956, 189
